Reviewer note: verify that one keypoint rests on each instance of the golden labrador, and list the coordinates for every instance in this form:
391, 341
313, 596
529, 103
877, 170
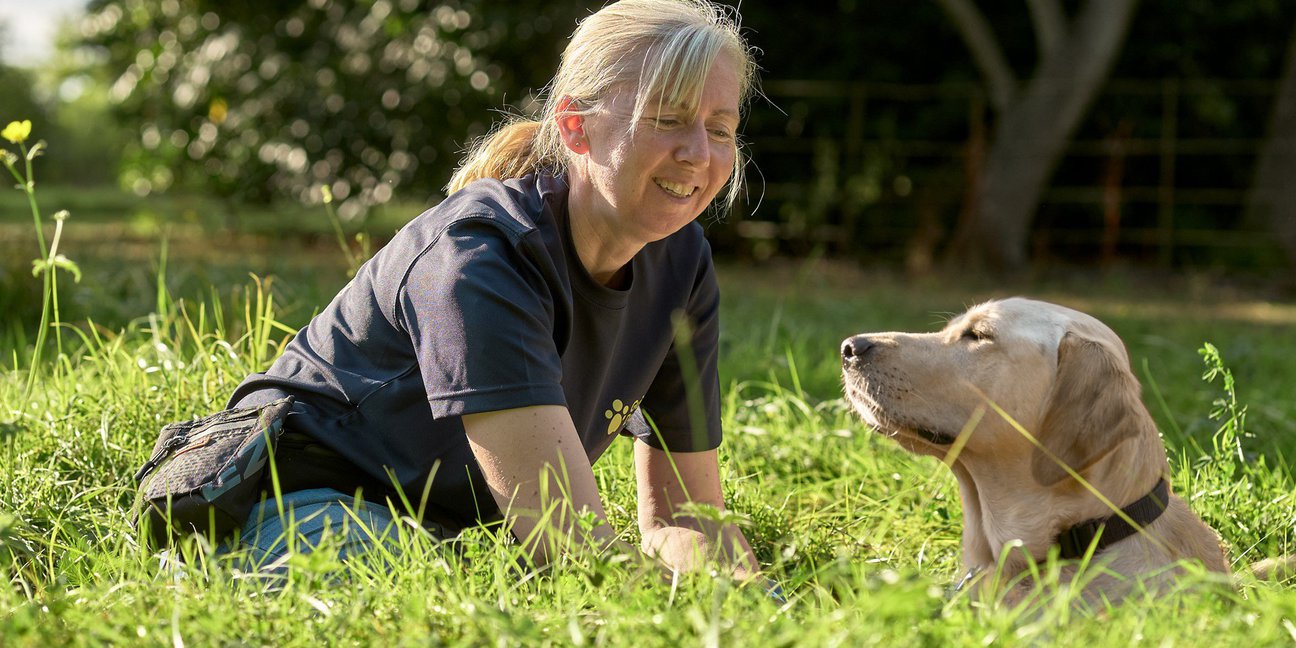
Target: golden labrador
1035, 409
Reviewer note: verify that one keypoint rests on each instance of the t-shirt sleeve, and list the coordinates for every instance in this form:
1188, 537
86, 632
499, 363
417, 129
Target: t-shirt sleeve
480, 317
683, 401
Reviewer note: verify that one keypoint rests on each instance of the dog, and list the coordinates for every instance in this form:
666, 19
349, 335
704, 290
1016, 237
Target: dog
1035, 409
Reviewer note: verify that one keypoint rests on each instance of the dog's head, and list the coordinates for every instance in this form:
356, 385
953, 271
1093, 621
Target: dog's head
1060, 374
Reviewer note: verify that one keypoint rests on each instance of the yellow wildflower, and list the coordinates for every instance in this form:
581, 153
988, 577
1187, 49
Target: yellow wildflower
17, 132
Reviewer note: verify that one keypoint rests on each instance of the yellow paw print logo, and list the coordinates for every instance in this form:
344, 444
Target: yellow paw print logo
618, 414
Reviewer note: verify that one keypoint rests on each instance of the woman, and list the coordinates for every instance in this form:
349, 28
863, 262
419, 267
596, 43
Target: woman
481, 362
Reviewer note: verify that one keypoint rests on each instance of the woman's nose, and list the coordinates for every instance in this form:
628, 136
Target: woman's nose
694, 147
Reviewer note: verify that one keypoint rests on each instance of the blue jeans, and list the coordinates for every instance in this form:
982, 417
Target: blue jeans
313, 514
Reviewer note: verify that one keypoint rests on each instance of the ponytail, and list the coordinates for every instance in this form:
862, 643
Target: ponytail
508, 152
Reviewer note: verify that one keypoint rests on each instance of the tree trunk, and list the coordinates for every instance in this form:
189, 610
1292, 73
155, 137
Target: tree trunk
1271, 197
1033, 130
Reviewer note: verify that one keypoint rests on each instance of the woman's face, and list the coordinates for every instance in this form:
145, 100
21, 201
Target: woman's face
651, 180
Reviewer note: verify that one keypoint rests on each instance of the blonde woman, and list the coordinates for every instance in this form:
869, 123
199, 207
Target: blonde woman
562, 296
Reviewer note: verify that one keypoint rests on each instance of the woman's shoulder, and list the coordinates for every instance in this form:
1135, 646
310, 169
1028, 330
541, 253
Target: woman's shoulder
519, 205
488, 221
506, 211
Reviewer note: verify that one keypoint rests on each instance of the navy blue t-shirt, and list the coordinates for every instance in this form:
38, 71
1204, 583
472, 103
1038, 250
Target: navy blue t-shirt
481, 304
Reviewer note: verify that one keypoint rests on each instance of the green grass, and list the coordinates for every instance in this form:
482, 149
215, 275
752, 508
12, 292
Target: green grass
864, 537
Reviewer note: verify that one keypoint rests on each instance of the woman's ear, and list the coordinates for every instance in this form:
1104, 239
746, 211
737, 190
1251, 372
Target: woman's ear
571, 125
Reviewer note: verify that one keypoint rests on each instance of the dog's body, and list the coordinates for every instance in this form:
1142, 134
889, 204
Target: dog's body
1008, 394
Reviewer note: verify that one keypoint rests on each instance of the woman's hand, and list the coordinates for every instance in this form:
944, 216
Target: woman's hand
671, 486
540, 477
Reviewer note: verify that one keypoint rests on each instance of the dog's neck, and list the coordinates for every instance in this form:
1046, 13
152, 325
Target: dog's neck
1100, 533
1002, 507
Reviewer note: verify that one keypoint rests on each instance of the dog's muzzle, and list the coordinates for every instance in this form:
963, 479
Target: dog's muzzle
856, 353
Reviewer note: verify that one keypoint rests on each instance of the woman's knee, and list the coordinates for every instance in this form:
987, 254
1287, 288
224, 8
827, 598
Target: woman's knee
299, 522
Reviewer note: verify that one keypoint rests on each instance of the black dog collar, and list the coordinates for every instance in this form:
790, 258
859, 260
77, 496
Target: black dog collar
1076, 540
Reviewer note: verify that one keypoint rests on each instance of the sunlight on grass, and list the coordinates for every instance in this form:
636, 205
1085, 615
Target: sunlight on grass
863, 536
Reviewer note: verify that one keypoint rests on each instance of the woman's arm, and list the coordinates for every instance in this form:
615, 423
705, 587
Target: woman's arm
514, 448
666, 482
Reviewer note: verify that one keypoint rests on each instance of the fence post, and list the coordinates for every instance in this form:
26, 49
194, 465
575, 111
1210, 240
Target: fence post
852, 162
1166, 187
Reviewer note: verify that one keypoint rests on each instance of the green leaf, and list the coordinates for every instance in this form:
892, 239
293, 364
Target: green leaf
68, 265
59, 262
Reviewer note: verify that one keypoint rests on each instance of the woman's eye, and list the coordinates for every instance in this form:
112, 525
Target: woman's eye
721, 134
666, 122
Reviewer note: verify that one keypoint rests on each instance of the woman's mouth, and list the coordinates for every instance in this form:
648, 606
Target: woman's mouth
675, 189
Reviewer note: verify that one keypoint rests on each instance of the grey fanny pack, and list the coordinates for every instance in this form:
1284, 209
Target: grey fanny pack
204, 476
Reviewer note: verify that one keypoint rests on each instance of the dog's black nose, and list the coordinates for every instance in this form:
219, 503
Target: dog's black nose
855, 347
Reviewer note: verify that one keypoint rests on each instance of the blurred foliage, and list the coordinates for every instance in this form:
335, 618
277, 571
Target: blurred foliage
258, 99
17, 100
84, 140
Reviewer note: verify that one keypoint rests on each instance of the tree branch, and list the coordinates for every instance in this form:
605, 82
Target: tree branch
1000, 81
1050, 25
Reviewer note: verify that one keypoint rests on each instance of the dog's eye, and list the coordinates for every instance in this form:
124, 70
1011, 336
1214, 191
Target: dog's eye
975, 335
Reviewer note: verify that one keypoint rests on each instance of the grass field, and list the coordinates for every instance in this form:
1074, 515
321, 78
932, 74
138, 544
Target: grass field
864, 537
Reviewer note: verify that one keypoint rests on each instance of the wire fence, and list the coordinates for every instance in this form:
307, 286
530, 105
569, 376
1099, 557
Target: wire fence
1158, 172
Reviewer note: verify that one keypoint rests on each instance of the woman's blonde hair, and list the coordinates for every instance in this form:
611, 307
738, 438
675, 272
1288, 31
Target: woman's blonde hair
663, 49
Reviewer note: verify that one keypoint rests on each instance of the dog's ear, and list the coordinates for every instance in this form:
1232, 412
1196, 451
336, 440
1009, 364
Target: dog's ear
1093, 408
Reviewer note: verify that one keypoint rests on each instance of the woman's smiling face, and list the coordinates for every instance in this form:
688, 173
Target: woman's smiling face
653, 177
